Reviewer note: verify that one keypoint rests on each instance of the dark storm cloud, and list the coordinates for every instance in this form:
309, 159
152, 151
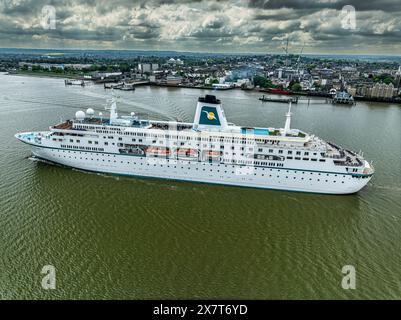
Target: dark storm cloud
315, 5
246, 25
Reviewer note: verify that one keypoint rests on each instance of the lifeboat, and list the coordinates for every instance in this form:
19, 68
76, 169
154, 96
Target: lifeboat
158, 151
187, 154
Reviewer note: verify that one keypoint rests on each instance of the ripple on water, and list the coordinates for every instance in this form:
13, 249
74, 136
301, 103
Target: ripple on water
120, 237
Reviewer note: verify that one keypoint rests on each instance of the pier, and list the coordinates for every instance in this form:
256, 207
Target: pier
69, 82
281, 100
120, 86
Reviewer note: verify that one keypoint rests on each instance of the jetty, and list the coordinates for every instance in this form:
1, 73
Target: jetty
69, 82
281, 100
120, 86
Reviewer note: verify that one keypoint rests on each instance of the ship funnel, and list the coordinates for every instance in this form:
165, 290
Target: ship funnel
209, 114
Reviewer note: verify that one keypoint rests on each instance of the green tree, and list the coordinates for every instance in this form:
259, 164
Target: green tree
386, 78
262, 82
296, 87
36, 68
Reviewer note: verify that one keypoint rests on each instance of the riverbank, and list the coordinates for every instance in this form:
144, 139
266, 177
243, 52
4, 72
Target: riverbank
45, 74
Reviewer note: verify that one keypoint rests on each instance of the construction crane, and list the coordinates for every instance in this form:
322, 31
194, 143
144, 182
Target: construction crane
299, 58
286, 52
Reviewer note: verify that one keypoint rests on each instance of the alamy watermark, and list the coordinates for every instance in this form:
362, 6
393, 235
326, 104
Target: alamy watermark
48, 18
49, 280
349, 278
172, 147
348, 17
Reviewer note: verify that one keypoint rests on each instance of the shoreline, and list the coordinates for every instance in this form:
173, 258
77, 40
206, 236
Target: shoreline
304, 94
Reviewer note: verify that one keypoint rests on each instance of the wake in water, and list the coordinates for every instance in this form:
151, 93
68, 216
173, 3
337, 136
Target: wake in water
36, 159
387, 187
141, 106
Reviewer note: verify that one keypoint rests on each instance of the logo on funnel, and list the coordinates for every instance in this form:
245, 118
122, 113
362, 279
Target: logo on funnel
209, 116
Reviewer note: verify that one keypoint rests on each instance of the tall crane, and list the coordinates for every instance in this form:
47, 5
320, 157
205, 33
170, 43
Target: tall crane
286, 52
299, 58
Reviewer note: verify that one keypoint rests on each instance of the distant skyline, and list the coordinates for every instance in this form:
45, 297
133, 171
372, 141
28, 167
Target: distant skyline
242, 26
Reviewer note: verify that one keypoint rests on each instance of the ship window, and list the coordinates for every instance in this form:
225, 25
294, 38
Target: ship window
289, 152
322, 160
298, 153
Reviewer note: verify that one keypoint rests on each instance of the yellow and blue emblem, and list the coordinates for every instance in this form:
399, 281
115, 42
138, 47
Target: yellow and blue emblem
209, 116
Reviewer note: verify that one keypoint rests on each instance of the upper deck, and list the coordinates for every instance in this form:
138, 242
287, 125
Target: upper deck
209, 125
258, 134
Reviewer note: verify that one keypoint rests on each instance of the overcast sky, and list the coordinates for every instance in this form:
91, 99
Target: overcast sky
210, 26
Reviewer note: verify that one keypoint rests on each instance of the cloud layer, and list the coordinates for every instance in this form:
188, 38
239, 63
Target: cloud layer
212, 26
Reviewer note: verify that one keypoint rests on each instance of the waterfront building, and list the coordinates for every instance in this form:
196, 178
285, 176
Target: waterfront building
144, 67
382, 90
398, 79
173, 80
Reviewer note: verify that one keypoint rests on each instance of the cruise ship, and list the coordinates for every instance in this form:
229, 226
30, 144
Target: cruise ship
209, 150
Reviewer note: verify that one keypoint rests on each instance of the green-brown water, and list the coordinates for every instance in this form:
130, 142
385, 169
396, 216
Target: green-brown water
117, 237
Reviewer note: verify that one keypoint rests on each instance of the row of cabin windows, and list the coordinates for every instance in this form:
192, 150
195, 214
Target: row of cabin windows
211, 170
298, 153
167, 136
212, 147
209, 139
306, 159
81, 148
204, 164
222, 147
306, 153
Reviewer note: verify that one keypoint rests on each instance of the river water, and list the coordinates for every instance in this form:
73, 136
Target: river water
120, 237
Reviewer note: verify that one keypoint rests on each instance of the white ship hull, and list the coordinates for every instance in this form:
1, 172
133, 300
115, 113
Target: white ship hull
217, 173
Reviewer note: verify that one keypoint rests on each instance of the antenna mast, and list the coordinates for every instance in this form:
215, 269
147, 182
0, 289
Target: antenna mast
287, 127
113, 107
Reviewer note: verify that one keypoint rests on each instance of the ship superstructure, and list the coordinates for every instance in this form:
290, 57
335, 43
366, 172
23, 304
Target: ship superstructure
210, 150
